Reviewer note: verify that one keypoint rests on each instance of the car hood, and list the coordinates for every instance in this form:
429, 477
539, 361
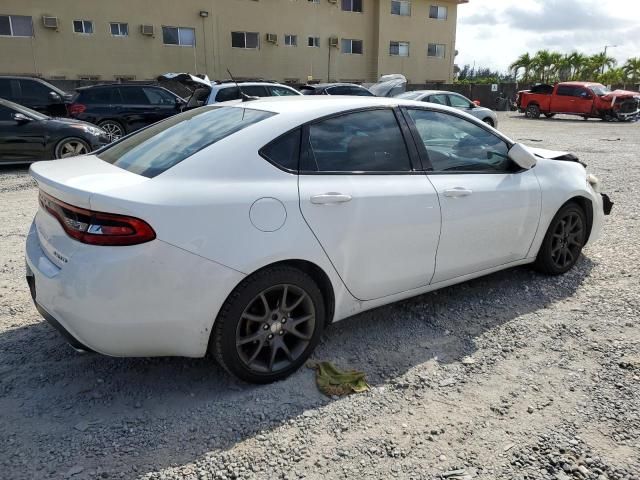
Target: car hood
620, 94
555, 155
192, 82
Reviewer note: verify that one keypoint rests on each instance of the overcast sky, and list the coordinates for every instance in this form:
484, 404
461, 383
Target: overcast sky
493, 33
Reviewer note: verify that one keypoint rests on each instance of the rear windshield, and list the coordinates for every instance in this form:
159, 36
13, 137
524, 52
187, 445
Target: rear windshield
163, 145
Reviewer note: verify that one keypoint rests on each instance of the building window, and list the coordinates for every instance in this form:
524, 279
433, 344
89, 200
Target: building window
439, 13
401, 7
16, 26
399, 49
313, 42
436, 50
351, 46
313, 1
182, 36
119, 29
352, 5
245, 39
290, 40
83, 26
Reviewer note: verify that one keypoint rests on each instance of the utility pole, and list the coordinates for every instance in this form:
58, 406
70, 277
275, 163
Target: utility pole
605, 55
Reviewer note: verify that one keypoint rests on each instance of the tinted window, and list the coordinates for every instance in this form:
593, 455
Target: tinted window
455, 144
255, 91
35, 90
284, 151
459, 102
226, 94
159, 147
281, 91
98, 96
133, 96
369, 141
157, 96
565, 90
5, 88
6, 114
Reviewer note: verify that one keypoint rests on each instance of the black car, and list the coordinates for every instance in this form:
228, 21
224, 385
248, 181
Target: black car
335, 89
36, 94
121, 108
27, 135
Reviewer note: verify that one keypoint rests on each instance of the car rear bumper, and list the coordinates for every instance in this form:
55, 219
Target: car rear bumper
152, 299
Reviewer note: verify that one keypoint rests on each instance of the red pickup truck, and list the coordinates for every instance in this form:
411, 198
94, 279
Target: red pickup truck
589, 100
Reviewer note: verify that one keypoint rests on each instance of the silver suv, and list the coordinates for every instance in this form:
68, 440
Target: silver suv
223, 92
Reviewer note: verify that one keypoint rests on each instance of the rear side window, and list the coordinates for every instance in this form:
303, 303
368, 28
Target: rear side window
226, 94
98, 96
284, 151
255, 91
133, 96
281, 92
159, 147
367, 141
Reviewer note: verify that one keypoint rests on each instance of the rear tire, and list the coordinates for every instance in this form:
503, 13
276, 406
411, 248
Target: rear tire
489, 122
532, 111
269, 325
564, 240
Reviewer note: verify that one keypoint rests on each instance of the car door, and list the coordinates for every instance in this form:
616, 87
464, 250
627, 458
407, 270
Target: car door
135, 110
374, 213
163, 104
582, 100
20, 140
562, 101
490, 207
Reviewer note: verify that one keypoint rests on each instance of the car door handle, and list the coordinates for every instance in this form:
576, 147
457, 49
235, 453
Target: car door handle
457, 192
330, 198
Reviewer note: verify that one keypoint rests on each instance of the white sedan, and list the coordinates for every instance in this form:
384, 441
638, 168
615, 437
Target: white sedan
244, 230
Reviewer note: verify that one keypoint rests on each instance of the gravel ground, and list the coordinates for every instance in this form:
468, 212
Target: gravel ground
512, 376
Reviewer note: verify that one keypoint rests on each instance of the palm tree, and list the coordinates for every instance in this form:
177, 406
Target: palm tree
577, 61
613, 76
556, 60
542, 63
632, 70
524, 61
603, 61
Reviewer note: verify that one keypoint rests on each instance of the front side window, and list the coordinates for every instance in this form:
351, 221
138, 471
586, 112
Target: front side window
565, 91
438, 99
35, 91
399, 49
83, 26
182, 36
245, 39
159, 147
16, 26
313, 42
119, 29
436, 50
6, 114
457, 101
351, 46
454, 144
437, 12
156, 96
401, 7
368, 141
99, 96
291, 40
352, 5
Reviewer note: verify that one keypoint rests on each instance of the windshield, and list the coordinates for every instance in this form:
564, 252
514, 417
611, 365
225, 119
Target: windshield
410, 95
600, 90
159, 147
24, 110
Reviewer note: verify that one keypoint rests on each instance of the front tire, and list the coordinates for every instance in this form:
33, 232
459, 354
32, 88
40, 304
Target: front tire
564, 240
532, 111
71, 147
114, 129
269, 325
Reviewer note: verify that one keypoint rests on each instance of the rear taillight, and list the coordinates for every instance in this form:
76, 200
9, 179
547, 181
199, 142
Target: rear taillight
76, 108
97, 228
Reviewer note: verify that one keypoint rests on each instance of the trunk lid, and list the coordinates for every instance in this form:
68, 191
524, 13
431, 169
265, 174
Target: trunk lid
73, 181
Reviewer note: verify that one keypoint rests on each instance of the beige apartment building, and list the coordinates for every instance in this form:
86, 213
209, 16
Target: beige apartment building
284, 40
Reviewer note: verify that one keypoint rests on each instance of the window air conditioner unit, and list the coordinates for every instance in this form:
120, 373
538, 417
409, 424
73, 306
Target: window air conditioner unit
333, 1
272, 38
50, 22
146, 29
333, 41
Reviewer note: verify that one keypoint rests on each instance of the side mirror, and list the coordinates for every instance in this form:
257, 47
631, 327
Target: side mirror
55, 97
522, 156
21, 118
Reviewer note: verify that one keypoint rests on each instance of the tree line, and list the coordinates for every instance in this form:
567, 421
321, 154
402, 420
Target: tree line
548, 67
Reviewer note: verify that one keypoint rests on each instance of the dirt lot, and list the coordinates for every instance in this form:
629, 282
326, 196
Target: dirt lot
512, 376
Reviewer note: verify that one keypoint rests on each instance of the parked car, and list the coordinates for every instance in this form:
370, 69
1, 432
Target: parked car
123, 108
586, 99
244, 230
454, 100
204, 92
27, 135
335, 89
35, 94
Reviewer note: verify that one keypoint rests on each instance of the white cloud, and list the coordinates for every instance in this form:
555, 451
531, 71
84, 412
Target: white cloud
493, 33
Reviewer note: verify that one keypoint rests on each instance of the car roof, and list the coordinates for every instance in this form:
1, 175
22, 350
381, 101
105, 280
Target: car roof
105, 85
250, 84
335, 84
432, 92
579, 84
